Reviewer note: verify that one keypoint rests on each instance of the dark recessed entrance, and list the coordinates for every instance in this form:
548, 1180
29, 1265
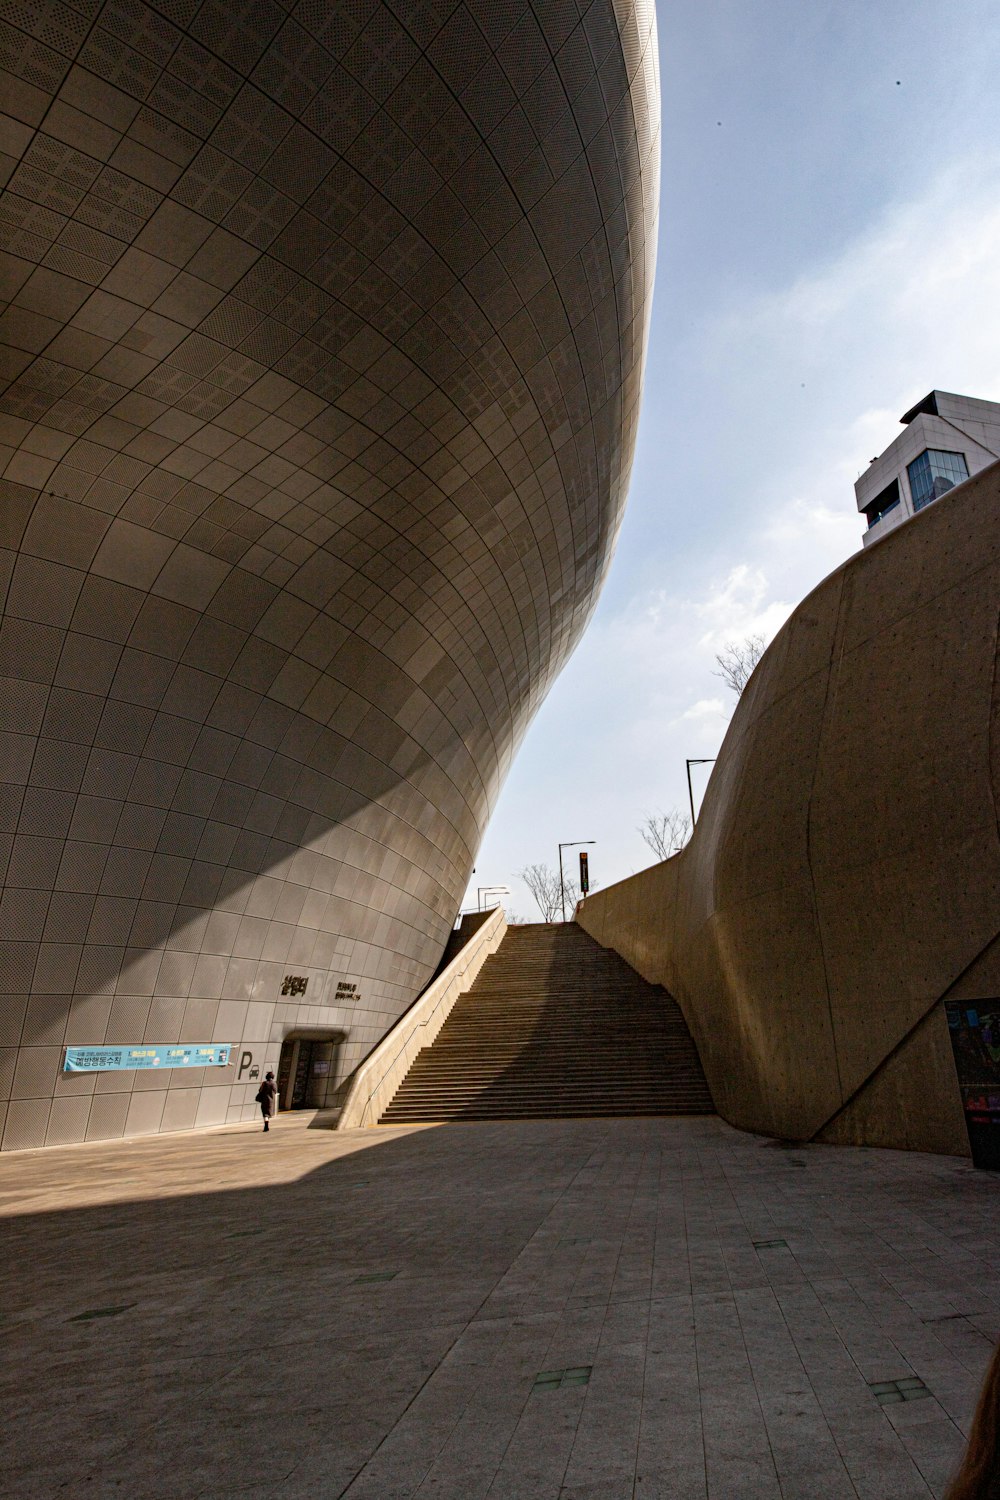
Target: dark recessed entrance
308, 1071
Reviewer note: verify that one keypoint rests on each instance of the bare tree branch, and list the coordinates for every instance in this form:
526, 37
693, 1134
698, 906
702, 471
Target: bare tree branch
737, 660
667, 832
543, 884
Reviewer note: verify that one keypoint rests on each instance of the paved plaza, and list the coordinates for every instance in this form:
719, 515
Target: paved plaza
589, 1310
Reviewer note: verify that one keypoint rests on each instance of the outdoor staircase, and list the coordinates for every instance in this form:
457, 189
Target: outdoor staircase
555, 1026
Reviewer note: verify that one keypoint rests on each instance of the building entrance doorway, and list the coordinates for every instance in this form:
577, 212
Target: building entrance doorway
307, 1071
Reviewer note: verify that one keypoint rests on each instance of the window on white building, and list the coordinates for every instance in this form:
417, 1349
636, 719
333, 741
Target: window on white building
933, 473
885, 501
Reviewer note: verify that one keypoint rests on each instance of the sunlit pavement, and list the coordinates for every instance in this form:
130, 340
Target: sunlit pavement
591, 1310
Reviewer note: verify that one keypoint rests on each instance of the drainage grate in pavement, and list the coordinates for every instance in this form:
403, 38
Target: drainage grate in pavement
565, 1244
241, 1234
374, 1276
887, 1392
100, 1312
770, 1244
554, 1380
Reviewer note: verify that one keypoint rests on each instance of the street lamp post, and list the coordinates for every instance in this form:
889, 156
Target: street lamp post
569, 844
481, 890
705, 760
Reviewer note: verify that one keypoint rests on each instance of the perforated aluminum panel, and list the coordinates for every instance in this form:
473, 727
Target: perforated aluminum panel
323, 351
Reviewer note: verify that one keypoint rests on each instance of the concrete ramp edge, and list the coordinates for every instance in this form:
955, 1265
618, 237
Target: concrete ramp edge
384, 1069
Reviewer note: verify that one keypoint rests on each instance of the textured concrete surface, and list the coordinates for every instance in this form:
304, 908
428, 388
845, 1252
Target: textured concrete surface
373, 1084
323, 344
316, 1314
844, 876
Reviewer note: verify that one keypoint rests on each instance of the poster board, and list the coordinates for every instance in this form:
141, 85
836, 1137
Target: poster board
974, 1028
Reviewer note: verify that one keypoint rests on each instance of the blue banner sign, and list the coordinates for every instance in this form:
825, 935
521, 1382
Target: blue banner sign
117, 1059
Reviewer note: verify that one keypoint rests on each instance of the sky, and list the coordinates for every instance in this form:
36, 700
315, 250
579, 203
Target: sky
829, 252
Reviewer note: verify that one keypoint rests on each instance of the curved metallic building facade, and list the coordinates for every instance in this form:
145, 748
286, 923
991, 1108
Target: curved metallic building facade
323, 347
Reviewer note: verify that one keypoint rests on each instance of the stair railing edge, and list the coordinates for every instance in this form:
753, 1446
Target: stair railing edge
416, 1028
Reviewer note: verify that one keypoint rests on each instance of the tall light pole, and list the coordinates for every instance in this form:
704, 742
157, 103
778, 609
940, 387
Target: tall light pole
488, 890
705, 760
570, 844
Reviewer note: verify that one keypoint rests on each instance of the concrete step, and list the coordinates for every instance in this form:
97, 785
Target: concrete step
479, 1111
556, 1027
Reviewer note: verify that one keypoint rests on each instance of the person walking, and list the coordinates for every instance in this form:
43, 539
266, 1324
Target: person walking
266, 1096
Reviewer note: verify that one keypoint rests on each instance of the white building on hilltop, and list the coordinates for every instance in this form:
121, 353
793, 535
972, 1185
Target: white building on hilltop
947, 439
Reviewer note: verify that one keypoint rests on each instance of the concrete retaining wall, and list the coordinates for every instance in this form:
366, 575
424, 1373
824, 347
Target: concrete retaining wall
844, 876
380, 1075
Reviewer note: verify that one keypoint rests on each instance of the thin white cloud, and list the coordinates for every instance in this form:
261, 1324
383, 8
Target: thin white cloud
705, 708
914, 303
806, 386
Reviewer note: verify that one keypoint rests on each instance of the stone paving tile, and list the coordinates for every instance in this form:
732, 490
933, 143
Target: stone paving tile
314, 1315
